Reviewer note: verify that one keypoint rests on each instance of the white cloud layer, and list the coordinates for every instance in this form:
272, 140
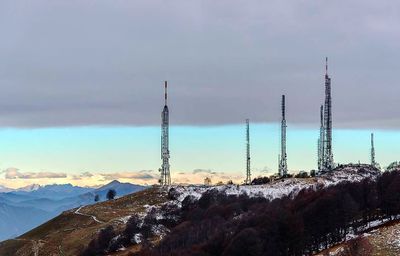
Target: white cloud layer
14, 173
15, 178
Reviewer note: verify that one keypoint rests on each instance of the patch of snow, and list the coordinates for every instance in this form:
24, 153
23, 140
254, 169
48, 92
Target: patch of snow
122, 249
394, 238
125, 219
338, 251
137, 238
160, 230
351, 235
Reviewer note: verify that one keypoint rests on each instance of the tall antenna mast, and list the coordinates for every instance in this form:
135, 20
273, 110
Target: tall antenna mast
248, 171
283, 157
165, 179
326, 66
165, 92
373, 162
321, 140
328, 164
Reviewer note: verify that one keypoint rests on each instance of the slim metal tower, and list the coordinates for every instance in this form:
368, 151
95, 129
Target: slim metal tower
373, 162
283, 157
328, 155
321, 140
248, 171
165, 179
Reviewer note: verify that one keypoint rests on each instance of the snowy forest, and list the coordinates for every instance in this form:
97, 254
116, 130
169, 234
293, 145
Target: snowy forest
220, 224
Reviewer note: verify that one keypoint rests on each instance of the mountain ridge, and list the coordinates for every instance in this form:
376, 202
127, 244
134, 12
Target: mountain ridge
49, 201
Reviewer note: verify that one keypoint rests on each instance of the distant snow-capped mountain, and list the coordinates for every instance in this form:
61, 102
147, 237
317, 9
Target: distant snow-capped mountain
29, 188
55, 191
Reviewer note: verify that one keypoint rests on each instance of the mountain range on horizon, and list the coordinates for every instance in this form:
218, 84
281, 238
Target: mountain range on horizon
25, 208
35, 186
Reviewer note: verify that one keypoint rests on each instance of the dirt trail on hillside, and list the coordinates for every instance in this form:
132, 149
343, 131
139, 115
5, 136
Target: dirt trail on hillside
87, 215
35, 248
36, 244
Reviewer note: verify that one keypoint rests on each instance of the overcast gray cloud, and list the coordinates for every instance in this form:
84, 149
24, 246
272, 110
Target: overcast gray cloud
66, 63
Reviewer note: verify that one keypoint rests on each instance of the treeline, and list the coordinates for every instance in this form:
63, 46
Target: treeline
218, 224
265, 180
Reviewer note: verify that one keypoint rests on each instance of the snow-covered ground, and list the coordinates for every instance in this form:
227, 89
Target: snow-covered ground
287, 187
276, 189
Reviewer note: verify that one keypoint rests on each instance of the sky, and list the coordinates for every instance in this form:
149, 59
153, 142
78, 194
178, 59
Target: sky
81, 86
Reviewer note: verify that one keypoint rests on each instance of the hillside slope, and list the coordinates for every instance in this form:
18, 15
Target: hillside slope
70, 232
383, 240
26, 208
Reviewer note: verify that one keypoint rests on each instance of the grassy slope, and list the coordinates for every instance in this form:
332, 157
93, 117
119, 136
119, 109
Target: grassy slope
68, 233
382, 241
386, 240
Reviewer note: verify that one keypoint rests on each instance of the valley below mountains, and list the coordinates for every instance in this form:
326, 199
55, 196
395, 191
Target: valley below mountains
25, 208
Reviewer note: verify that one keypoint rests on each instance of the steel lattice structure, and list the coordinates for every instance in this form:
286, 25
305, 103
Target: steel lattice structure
283, 156
248, 169
165, 179
373, 162
321, 140
327, 164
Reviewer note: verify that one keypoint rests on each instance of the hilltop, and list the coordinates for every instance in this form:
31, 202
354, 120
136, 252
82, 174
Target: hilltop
287, 187
72, 231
